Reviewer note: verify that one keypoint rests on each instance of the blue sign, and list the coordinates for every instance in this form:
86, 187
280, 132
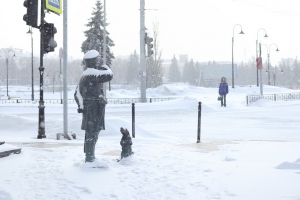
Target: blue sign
54, 5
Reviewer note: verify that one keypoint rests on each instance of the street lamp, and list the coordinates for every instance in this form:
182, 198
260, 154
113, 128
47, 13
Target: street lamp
6, 51
268, 49
257, 54
32, 87
54, 79
274, 74
232, 52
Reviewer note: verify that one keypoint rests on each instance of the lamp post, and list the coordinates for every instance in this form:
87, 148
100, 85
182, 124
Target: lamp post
32, 85
274, 75
257, 82
61, 55
6, 52
54, 78
268, 51
232, 52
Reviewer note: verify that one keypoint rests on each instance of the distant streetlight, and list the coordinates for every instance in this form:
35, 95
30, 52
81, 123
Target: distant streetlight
32, 85
7, 51
268, 51
232, 52
53, 79
257, 82
274, 75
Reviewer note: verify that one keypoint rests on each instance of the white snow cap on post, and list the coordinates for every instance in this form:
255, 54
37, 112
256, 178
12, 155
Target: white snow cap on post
91, 54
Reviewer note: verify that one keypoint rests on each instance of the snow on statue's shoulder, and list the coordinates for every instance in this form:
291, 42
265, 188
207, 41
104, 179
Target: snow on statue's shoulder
96, 72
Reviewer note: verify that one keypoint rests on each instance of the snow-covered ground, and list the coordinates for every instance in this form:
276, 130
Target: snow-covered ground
246, 152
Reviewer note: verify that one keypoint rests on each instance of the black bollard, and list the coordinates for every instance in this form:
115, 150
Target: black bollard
199, 122
133, 121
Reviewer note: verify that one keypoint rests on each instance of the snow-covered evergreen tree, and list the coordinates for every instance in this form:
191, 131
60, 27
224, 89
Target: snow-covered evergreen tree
174, 72
94, 34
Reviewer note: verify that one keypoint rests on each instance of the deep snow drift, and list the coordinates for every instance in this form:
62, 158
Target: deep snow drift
246, 152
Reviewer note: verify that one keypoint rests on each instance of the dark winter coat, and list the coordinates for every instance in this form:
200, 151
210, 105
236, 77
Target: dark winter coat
223, 88
90, 90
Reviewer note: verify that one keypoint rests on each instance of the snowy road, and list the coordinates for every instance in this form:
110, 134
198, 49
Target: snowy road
247, 152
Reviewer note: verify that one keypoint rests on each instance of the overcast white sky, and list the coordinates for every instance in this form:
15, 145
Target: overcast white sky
200, 28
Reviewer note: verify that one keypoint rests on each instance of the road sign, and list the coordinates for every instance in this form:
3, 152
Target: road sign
54, 6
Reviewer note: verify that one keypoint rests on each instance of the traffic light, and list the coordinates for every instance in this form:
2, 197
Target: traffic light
259, 63
32, 12
149, 41
48, 37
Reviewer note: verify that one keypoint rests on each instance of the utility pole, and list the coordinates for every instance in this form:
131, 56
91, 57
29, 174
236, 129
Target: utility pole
104, 35
142, 51
65, 65
104, 46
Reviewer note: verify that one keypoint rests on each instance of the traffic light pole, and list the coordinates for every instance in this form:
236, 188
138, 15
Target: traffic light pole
41, 132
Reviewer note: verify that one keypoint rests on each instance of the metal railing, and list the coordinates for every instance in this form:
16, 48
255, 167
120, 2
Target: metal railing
109, 100
273, 97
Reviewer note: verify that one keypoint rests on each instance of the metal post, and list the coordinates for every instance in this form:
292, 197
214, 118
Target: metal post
199, 122
260, 70
32, 84
274, 75
142, 51
232, 65
41, 132
256, 65
269, 68
65, 65
60, 80
61, 55
104, 46
104, 35
7, 77
133, 120
53, 82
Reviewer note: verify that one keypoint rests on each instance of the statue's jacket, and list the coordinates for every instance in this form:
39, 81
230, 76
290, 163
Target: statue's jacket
90, 98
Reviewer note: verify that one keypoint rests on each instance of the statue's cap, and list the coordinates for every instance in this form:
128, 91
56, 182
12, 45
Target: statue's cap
91, 54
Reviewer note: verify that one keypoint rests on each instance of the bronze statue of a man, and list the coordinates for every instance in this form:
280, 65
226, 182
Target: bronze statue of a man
91, 102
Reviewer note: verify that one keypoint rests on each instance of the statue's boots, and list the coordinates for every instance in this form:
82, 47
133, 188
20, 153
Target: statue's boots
90, 142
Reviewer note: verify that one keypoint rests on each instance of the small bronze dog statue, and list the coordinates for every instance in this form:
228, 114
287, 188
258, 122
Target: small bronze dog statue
125, 143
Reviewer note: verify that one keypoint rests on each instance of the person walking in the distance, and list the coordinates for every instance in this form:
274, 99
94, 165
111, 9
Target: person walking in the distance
223, 91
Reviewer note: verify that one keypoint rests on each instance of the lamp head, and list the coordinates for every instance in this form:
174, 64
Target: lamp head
266, 35
277, 49
241, 32
14, 55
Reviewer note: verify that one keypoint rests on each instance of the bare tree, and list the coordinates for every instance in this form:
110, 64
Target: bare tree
154, 70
